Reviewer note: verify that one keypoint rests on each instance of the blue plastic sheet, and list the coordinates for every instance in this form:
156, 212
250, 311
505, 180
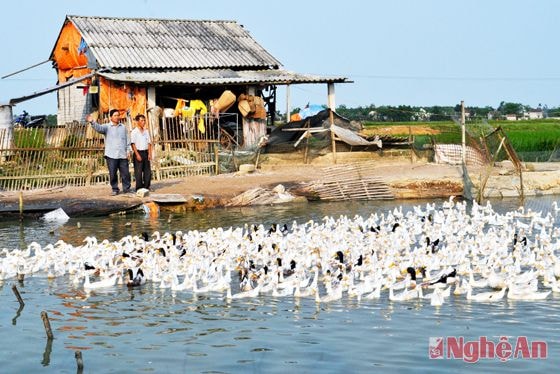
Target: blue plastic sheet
310, 110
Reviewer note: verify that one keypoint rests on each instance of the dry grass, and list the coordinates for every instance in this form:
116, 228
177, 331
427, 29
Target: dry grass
399, 130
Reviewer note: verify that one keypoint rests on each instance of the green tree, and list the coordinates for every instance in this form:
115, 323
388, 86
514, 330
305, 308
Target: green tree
510, 108
440, 113
481, 112
357, 114
51, 120
553, 111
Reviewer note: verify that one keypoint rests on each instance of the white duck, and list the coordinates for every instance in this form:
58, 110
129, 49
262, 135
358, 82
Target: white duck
485, 296
496, 281
530, 295
105, 282
335, 294
480, 283
461, 286
375, 294
406, 295
243, 294
526, 291
437, 297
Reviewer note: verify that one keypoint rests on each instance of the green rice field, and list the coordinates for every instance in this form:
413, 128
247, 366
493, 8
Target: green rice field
533, 140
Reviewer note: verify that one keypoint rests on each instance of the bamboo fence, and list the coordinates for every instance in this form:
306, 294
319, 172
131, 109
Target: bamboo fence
73, 155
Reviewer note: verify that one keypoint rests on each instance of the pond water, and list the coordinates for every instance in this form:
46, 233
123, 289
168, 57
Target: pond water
158, 330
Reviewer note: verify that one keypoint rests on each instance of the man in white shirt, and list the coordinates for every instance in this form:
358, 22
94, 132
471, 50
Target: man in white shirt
117, 149
142, 147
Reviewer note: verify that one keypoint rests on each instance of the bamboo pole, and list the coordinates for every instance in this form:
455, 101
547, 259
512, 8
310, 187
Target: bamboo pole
463, 135
306, 151
217, 158
333, 140
47, 324
79, 361
18, 296
411, 144
21, 205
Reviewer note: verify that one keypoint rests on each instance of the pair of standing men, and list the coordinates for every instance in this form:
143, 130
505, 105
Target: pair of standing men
118, 149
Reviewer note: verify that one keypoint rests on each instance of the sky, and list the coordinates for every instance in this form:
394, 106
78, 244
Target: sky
397, 52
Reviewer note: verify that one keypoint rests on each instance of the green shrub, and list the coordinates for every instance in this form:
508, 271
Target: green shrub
29, 138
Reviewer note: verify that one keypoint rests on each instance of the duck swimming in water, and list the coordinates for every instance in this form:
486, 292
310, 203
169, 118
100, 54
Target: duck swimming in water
415, 293
108, 281
446, 278
437, 297
485, 296
243, 294
135, 280
409, 281
364, 255
339, 255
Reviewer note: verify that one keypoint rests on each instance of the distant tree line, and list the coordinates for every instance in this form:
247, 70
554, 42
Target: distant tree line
407, 113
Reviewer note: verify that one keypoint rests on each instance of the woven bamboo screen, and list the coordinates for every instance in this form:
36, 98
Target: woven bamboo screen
72, 155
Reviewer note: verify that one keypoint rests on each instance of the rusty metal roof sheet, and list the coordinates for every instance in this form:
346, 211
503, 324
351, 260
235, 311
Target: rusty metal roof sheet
140, 43
220, 77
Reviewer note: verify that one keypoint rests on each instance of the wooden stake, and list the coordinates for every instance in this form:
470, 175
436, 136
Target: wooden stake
411, 144
463, 146
257, 160
79, 360
18, 296
333, 140
20, 205
47, 324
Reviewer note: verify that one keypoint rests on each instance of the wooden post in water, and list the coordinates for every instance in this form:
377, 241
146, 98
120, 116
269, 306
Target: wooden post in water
20, 275
18, 296
79, 361
21, 205
47, 324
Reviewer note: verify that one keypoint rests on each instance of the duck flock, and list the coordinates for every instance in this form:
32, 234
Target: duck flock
428, 252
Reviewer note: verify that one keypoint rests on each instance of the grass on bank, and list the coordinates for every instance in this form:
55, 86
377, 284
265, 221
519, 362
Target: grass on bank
535, 138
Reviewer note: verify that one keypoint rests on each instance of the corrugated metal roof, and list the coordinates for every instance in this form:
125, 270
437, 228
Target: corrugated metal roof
139, 43
219, 77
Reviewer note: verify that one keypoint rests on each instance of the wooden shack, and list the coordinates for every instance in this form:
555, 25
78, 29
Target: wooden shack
159, 67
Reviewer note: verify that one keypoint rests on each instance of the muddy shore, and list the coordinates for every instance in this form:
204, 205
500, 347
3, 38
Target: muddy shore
406, 179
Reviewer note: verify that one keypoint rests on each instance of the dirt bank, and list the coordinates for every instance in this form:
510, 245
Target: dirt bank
217, 190
406, 179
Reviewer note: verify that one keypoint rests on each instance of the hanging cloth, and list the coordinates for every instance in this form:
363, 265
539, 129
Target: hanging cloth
197, 108
179, 107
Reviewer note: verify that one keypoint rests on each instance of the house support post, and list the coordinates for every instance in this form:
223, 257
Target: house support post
153, 118
6, 131
288, 104
331, 104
